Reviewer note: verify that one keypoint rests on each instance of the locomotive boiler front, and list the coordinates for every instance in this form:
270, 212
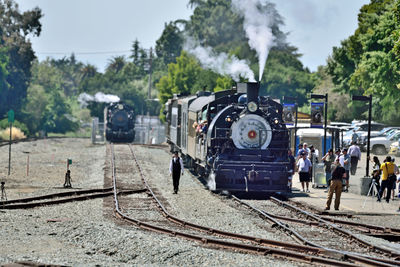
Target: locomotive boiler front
120, 123
253, 155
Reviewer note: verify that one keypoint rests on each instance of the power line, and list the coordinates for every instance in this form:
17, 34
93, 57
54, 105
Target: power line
85, 53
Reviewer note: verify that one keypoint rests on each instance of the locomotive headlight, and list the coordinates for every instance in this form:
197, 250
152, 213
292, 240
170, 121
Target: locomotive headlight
228, 119
252, 106
276, 121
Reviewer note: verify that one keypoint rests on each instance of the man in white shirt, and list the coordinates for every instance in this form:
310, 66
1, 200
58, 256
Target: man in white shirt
175, 169
304, 169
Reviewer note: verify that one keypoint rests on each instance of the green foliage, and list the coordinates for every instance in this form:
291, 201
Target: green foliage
169, 45
3, 70
368, 61
284, 75
16, 27
57, 115
5, 124
215, 25
181, 77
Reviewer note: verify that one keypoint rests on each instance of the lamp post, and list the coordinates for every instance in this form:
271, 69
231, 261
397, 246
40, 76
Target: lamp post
366, 99
325, 114
290, 98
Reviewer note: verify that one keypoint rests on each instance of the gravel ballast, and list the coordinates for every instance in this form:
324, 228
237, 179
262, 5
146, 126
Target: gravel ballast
87, 233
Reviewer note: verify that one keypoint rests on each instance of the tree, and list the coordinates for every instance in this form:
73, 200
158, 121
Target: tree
16, 27
57, 115
3, 71
181, 77
169, 45
367, 62
116, 64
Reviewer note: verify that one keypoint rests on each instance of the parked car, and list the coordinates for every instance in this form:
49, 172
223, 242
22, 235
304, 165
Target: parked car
387, 131
381, 145
394, 149
361, 129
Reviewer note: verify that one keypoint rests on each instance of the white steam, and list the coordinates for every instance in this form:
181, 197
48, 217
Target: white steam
257, 24
84, 98
221, 63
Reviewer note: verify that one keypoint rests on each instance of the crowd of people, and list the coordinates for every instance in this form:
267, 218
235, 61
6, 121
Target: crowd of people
339, 166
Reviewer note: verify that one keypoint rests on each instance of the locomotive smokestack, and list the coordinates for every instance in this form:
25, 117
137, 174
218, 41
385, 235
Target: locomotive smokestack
252, 92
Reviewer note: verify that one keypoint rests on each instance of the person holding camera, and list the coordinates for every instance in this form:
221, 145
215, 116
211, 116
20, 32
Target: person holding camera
376, 172
388, 176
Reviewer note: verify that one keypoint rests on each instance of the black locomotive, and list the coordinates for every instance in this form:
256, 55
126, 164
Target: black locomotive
119, 119
236, 139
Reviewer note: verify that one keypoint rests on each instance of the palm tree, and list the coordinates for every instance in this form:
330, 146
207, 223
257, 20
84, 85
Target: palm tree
116, 63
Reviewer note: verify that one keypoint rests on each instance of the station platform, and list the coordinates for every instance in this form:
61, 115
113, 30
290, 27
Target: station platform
351, 203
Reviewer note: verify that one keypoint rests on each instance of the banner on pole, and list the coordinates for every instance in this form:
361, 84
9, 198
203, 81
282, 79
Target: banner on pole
288, 114
317, 115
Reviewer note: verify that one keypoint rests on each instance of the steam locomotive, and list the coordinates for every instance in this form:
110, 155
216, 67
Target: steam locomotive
119, 119
242, 145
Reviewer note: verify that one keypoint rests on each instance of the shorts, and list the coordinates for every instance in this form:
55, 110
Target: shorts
304, 176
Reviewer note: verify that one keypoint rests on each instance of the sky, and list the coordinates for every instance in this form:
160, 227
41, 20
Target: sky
97, 30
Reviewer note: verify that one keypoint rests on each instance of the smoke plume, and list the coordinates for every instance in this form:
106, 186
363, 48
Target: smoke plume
257, 25
100, 97
221, 63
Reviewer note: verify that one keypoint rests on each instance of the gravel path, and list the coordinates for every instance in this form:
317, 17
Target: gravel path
86, 233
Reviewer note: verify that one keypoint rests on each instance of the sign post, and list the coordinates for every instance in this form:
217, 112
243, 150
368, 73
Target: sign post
69, 162
10, 121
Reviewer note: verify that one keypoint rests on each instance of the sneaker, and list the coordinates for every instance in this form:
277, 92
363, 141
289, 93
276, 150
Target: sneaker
327, 208
308, 191
304, 190
336, 209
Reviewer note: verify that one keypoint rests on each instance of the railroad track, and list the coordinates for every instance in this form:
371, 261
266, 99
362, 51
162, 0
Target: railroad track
333, 234
62, 197
249, 244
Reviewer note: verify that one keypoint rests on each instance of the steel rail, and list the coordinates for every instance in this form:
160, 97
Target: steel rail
235, 246
337, 229
369, 227
55, 195
66, 200
345, 254
365, 228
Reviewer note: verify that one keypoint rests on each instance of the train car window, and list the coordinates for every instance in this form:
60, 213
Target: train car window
204, 115
192, 130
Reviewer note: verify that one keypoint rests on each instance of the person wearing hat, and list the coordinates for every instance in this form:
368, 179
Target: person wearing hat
304, 169
175, 169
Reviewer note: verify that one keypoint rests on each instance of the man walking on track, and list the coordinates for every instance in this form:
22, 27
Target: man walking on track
175, 169
338, 174
355, 157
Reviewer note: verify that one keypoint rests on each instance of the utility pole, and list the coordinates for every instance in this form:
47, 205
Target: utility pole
149, 94
150, 71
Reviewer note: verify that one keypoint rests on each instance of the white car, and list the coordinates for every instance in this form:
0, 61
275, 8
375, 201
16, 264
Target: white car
394, 149
381, 145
